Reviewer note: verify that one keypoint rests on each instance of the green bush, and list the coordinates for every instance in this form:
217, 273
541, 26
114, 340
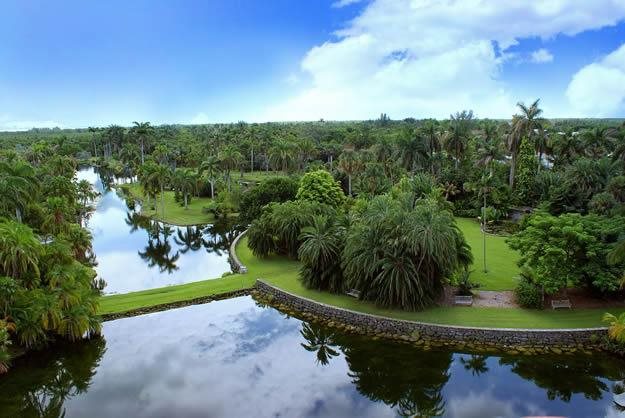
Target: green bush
528, 294
319, 186
275, 189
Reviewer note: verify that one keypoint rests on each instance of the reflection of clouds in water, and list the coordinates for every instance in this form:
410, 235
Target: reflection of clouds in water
155, 366
485, 404
116, 249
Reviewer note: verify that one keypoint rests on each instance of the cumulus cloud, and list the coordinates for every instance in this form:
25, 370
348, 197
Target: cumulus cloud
541, 55
429, 58
598, 89
344, 3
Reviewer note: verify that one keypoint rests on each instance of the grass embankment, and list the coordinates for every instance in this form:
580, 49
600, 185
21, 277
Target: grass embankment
174, 212
501, 260
283, 273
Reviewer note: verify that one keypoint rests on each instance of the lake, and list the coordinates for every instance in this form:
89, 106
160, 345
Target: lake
136, 253
236, 358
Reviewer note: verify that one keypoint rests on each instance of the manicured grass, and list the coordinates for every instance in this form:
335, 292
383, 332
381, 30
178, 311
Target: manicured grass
502, 269
174, 213
283, 273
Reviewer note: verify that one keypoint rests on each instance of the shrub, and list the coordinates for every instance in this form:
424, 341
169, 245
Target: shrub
319, 186
528, 293
275, 189
602, 203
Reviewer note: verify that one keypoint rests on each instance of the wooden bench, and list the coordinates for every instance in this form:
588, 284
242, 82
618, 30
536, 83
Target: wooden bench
561, 304
353, 293
463, 300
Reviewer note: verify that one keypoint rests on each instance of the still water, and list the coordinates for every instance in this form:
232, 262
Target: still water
235, 358
136, 253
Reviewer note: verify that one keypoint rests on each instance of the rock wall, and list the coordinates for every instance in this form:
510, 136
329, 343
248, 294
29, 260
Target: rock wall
235, 263
540, 339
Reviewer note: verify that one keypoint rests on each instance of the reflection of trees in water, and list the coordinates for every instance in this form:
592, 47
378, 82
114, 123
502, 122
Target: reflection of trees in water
39, 384
401, 376
563, 376
475, 363
319, 340
189, 238
159, 251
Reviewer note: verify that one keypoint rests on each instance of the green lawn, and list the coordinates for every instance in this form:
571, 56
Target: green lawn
502, 269
283, 273
174, 213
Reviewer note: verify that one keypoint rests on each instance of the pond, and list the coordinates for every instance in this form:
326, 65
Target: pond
235, 358
137, 253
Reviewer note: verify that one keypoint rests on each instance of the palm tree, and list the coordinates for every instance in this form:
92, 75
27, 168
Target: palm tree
18, 186
161, 177
457, 137
616, 329
484, 186
596, 141
320, 254
489, 147
349, 164
413, 150
281, 155
476, 363
143, 131
229, 159
184, 182
210, 166
19, 250
524, 125
566, 148
618, 136
320, 341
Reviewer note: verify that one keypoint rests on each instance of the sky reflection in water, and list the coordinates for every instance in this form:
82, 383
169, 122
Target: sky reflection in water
234, 358
134, 253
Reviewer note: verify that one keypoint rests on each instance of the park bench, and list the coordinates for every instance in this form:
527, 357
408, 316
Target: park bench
561, 304
463, 300
353, 293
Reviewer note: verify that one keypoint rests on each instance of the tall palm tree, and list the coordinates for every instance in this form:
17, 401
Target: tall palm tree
184, 182
161, 176
210, 166
229, 159
143, 131
616, 329
319, 340
457, 136
349, 164
489, 146
19, 250
524, 125
618, 136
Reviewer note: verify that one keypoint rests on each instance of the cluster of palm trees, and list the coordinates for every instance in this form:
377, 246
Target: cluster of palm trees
46, 280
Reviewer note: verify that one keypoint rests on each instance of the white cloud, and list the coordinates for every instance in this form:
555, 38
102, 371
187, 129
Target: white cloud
429, 58
344, 3
598, 89
541, 55
7, 124
292, 79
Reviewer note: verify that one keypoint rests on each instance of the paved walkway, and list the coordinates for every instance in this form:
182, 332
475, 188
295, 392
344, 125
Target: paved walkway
495, 299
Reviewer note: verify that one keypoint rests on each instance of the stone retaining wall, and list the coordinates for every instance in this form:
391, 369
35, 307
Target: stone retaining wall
235, 263
394, 328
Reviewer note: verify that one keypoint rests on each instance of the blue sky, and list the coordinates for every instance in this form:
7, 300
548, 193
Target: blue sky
77, 63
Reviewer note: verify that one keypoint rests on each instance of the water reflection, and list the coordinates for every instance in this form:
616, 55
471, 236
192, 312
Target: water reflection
236, 358
135, 253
